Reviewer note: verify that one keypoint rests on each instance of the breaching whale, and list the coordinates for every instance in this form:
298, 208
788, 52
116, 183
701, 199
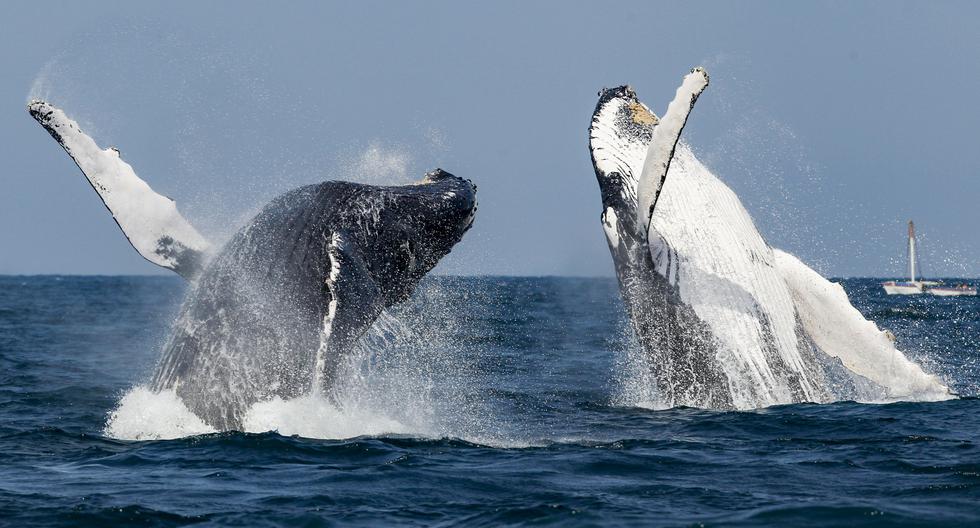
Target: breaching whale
273, 311
726, 321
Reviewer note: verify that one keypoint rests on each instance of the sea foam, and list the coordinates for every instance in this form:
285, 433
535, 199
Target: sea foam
146, 415
395, 382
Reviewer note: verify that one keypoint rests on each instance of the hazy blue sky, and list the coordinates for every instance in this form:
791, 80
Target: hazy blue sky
834, 122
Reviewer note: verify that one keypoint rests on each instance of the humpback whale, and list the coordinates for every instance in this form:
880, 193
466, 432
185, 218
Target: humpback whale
725, 320
273, 311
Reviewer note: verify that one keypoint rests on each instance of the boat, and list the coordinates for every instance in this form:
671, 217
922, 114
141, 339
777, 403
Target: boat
903, 288
911, 286
918, 287
951, 291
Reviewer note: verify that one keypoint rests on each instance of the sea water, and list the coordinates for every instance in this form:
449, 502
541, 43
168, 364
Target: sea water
482, 401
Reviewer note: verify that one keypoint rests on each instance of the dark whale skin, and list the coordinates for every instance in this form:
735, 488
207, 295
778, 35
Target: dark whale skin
275, 310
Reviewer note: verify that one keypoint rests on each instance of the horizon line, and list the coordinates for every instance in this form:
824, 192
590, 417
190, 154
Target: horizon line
440, 275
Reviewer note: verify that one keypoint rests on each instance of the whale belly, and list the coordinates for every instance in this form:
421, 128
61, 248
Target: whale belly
704, 243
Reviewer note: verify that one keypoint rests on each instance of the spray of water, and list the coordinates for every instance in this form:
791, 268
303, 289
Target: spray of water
143, 414
378, 164
404, 377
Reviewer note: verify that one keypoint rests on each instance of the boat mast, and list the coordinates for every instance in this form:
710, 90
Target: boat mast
912, 251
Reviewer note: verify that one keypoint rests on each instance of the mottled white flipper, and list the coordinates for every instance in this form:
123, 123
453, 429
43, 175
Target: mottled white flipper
150, 221
842, 332
662, 145
355, 302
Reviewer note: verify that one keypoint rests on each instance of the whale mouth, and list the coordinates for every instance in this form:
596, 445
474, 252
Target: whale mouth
472, 216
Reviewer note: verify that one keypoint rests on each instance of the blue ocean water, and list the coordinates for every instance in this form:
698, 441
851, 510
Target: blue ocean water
509, 402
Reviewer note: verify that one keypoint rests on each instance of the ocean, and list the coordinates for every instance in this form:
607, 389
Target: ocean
483, 401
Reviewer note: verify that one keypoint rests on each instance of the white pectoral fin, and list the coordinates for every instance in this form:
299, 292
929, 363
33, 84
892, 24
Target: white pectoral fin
355, 303
150, 221
841, 331
662, 145
356, 300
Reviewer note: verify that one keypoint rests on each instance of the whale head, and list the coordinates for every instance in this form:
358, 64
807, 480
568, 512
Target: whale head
383, 238
428, 218
621, 129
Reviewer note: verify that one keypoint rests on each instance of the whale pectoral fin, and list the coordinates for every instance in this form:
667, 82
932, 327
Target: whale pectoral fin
842, 332
150, 221
356, 300
355, 303
662, 145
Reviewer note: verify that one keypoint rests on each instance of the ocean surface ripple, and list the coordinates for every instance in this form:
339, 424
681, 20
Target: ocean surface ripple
494, 401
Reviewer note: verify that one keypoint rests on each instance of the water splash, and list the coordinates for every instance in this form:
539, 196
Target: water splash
378, 164
146, 415
405, 376
634, 384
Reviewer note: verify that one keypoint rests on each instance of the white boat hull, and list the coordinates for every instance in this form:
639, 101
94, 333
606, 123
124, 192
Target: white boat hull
903, 288
953, 292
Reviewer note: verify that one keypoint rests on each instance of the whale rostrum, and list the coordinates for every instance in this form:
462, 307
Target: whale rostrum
273, 311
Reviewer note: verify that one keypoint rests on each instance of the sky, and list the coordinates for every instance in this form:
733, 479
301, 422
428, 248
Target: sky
834, 122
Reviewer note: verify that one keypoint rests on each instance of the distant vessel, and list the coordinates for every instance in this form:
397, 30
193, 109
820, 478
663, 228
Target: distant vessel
916, 287
950, 291
912, 286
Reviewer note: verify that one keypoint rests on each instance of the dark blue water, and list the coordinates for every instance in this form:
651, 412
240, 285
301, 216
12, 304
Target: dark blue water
530, 429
